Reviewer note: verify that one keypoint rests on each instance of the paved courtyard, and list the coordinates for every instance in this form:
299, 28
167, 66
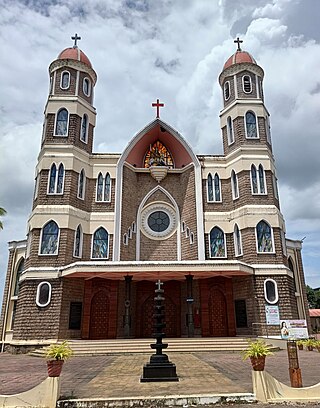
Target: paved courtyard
118, 376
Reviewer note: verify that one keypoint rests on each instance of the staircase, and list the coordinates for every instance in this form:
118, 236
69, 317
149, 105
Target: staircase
131, 346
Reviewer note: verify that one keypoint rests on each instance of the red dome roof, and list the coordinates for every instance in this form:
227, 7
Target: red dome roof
239, 57
76, 54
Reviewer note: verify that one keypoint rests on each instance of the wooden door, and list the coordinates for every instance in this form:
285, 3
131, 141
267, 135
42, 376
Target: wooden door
99, 316
218, 317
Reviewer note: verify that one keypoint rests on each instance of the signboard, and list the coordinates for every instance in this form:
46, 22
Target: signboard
272, 315
294, 329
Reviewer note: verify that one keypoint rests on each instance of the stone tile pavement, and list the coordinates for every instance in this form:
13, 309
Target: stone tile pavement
118, 376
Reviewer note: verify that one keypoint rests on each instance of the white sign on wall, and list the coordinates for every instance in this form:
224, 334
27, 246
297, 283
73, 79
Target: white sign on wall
272, 315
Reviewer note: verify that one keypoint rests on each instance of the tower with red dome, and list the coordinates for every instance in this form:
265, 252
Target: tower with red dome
104, 227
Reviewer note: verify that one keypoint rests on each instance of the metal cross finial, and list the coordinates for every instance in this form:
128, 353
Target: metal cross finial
75, 38
158, 105
158, 284
238, 41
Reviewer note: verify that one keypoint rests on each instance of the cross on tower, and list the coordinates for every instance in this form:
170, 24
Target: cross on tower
158, 284
75, 38
158, 105
238, 41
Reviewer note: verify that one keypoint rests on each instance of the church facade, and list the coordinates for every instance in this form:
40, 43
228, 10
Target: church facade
105, 227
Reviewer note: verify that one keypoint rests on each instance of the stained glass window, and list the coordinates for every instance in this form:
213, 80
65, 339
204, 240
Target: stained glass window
210, 187
251, 125
84, 128
65, 80
217, 243
78, 242
237, 241
43, 294
158, 155
60, 179
254, 180
230, 130
62, 123
234, 185
261, 179
49, 239
86, 86
271, 291
99, 187
158, 221
264, 237
100, 244
81, 184
217, 192
19, 272
107, 187
52, 179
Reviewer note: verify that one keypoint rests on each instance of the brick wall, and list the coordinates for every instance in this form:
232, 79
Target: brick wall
5, 298
243, 290
241, 93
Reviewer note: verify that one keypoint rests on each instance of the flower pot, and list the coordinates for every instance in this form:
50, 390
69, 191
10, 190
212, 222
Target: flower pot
54, 367
258, 363
310, 348
300, 346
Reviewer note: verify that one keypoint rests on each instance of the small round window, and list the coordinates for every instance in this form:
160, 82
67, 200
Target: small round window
158, 220
43, 294
271, 291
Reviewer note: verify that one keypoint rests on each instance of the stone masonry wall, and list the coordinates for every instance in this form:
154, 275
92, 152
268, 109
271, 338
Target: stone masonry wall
6, 290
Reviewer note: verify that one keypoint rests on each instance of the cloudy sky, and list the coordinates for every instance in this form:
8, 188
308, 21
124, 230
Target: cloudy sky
173, 50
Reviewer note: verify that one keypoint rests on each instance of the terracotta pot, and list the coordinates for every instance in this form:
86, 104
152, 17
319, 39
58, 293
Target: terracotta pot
310, 348
54, 367
258, 363
300, 346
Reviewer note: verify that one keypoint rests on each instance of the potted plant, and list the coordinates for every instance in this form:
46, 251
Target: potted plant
317, 345
257, 351
300, 344
56, 355
310, 344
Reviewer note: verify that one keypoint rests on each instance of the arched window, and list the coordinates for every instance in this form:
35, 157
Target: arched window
258, 180
217, 188
226, 90
246, 84
275, 187
125, 239
43, 296
104, 188
210, 187
237, 240
251, 125
158, 155
49, 239
62, 119
230, 133
78, 242
264, 237
217, 243
271, 291
291, 267
84, 129
100, 244
65, 80
268, 130
234, 185
81, 184
56, 179
19, 272
86, 86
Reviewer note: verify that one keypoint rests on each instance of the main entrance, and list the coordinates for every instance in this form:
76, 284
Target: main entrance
145, 308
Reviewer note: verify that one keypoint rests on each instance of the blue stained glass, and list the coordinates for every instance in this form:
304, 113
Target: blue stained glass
77, 246
49, 242
217, 247
81, 184
19, 272
52, 182
84, 128
210, 188
62, 123
237, 240
264, 237
251, 125
234, 181
254, 179
99, 187
60, 178
261, 179
100, 244
217, 195
107, 187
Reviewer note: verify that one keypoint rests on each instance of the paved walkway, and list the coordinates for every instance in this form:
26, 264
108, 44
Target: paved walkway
118, 376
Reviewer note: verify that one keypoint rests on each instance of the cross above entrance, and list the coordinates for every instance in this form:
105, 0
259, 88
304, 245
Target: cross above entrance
75, 38
159, 284
238, 41
158, 105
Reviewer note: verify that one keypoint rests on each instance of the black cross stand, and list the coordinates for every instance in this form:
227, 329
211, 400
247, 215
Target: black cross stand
159, 368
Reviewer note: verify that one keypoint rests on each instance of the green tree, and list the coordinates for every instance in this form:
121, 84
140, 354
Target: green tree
313, 296
2, 213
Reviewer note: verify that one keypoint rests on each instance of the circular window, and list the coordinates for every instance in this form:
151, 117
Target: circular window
158, 220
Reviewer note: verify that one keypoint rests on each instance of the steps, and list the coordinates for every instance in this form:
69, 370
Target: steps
131, 346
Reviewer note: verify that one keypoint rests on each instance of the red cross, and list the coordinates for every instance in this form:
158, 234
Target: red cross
158, 105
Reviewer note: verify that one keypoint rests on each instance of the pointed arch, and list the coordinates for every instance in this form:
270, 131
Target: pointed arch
62, 123
107, 188
210, 187
100, 244
251, 125
56, 179
78, 242
158, 155
84, 129
49, 240
234, 185
264, 237
217, 243
18, 274
52, 179
81, 184
230, 132
237, 240
258, 180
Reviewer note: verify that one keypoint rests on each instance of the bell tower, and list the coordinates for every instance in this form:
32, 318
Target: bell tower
69, 113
